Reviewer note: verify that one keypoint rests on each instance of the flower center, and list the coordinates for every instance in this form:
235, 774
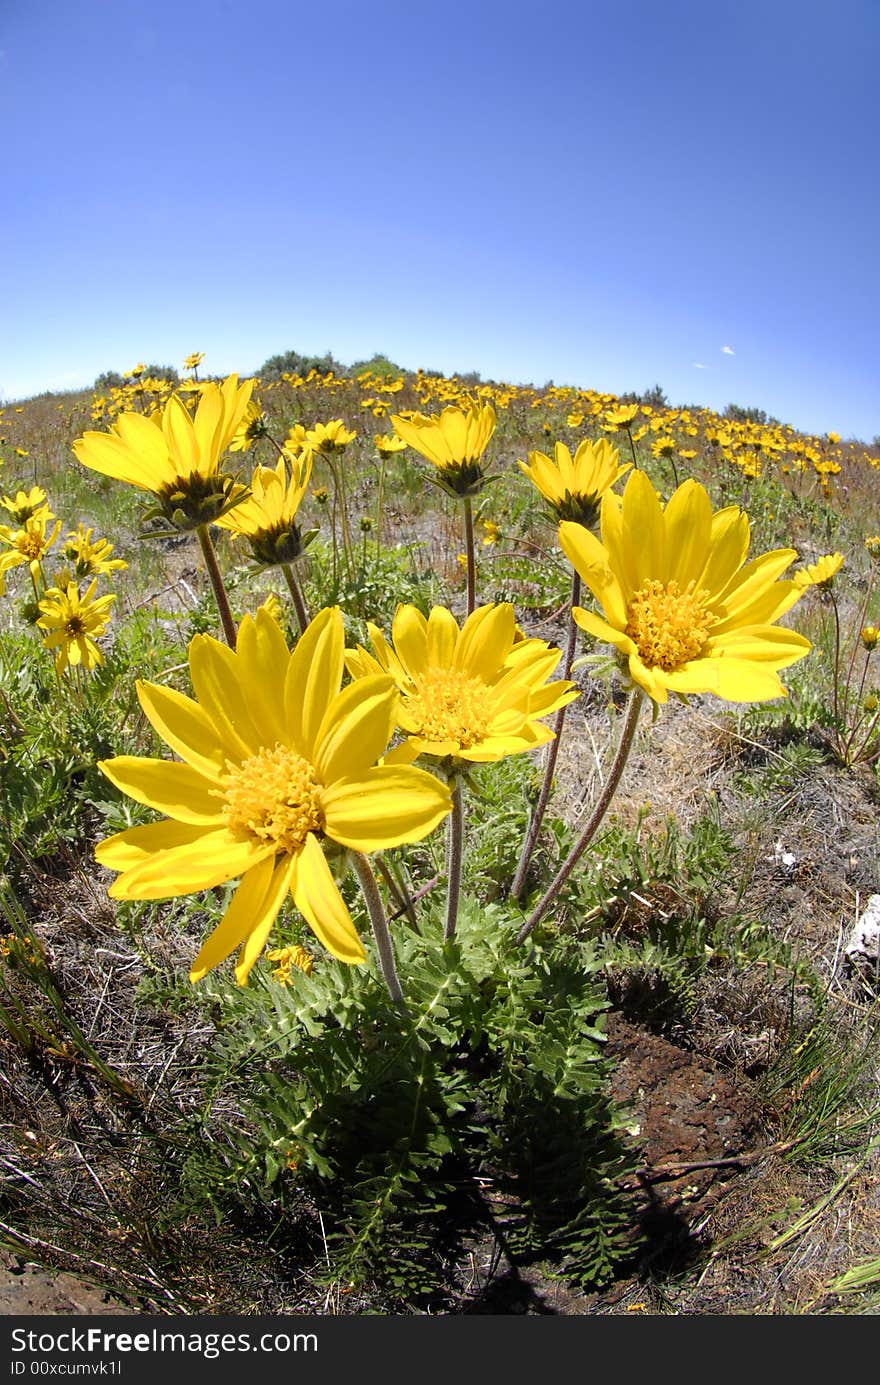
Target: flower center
30, 545
667, 625
448, 705
275, 797
75, 627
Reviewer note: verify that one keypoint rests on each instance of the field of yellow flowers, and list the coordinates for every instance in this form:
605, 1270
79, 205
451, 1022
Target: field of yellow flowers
438, 847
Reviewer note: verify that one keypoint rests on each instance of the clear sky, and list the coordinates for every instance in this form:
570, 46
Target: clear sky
609, 194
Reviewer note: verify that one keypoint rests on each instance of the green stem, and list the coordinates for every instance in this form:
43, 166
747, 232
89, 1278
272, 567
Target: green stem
454, 857
469, 554
632, 447
295, 590
210, 557
552, 754
627, 737
379, 924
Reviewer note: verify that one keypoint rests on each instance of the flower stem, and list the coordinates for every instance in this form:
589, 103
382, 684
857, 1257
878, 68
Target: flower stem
537, 818
627, 737
379, 924
454, 855
469, 555
210, 557
295, 590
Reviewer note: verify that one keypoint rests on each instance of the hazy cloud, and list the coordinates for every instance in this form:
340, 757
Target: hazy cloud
698, 365
728, 351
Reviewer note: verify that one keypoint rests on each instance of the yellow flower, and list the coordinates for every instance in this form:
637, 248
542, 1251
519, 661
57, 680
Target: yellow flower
472, 694
253, 426
267, 516
278, 769
819, 574
287, 959
454, 441
491, 533
872, 544
296, 440
328, 438
89, 559
194, 360
387, 444
72, 623
685, 611
29, 544
174, 456
26, 503
869, 635
574, 486
619, 417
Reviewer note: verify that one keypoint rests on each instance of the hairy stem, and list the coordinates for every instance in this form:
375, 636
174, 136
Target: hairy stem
295, 590
220, 596
627, 737
469, 555
379, 925
454, 856
552, 752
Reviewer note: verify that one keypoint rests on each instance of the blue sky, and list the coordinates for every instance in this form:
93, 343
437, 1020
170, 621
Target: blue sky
603, 194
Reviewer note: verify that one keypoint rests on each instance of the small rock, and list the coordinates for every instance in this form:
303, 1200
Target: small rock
864, 940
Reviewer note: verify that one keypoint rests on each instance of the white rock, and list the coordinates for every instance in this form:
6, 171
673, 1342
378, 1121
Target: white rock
864, 940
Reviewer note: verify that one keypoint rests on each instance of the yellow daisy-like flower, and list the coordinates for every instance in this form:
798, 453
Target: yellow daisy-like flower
329, 438
90, 558
454, 441
574, 486
253, 426
387, 444
473, 694
29, 544
684, 610
72, 623
869, 635
24, 504
193, 360
278, 769
267, 517
820, 574
288, 959
172, 455
619, 417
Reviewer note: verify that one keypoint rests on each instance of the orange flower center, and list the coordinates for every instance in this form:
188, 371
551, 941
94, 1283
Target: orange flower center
273, 796
668, 626
449, 705
31, 545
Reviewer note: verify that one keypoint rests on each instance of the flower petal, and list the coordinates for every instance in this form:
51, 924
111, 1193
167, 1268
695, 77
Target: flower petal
317, 897
255, 904
211, 859
314, 676
356, 728
385, 807
177, 790
183, 725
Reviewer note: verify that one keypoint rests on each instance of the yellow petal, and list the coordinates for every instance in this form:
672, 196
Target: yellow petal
254, 901
183, 725
177, 790
385, 807
486, 638
212, 859
314, 676
688, 519
356, 729
317, 897
216, 678
409, 631
263, 658
136, 844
